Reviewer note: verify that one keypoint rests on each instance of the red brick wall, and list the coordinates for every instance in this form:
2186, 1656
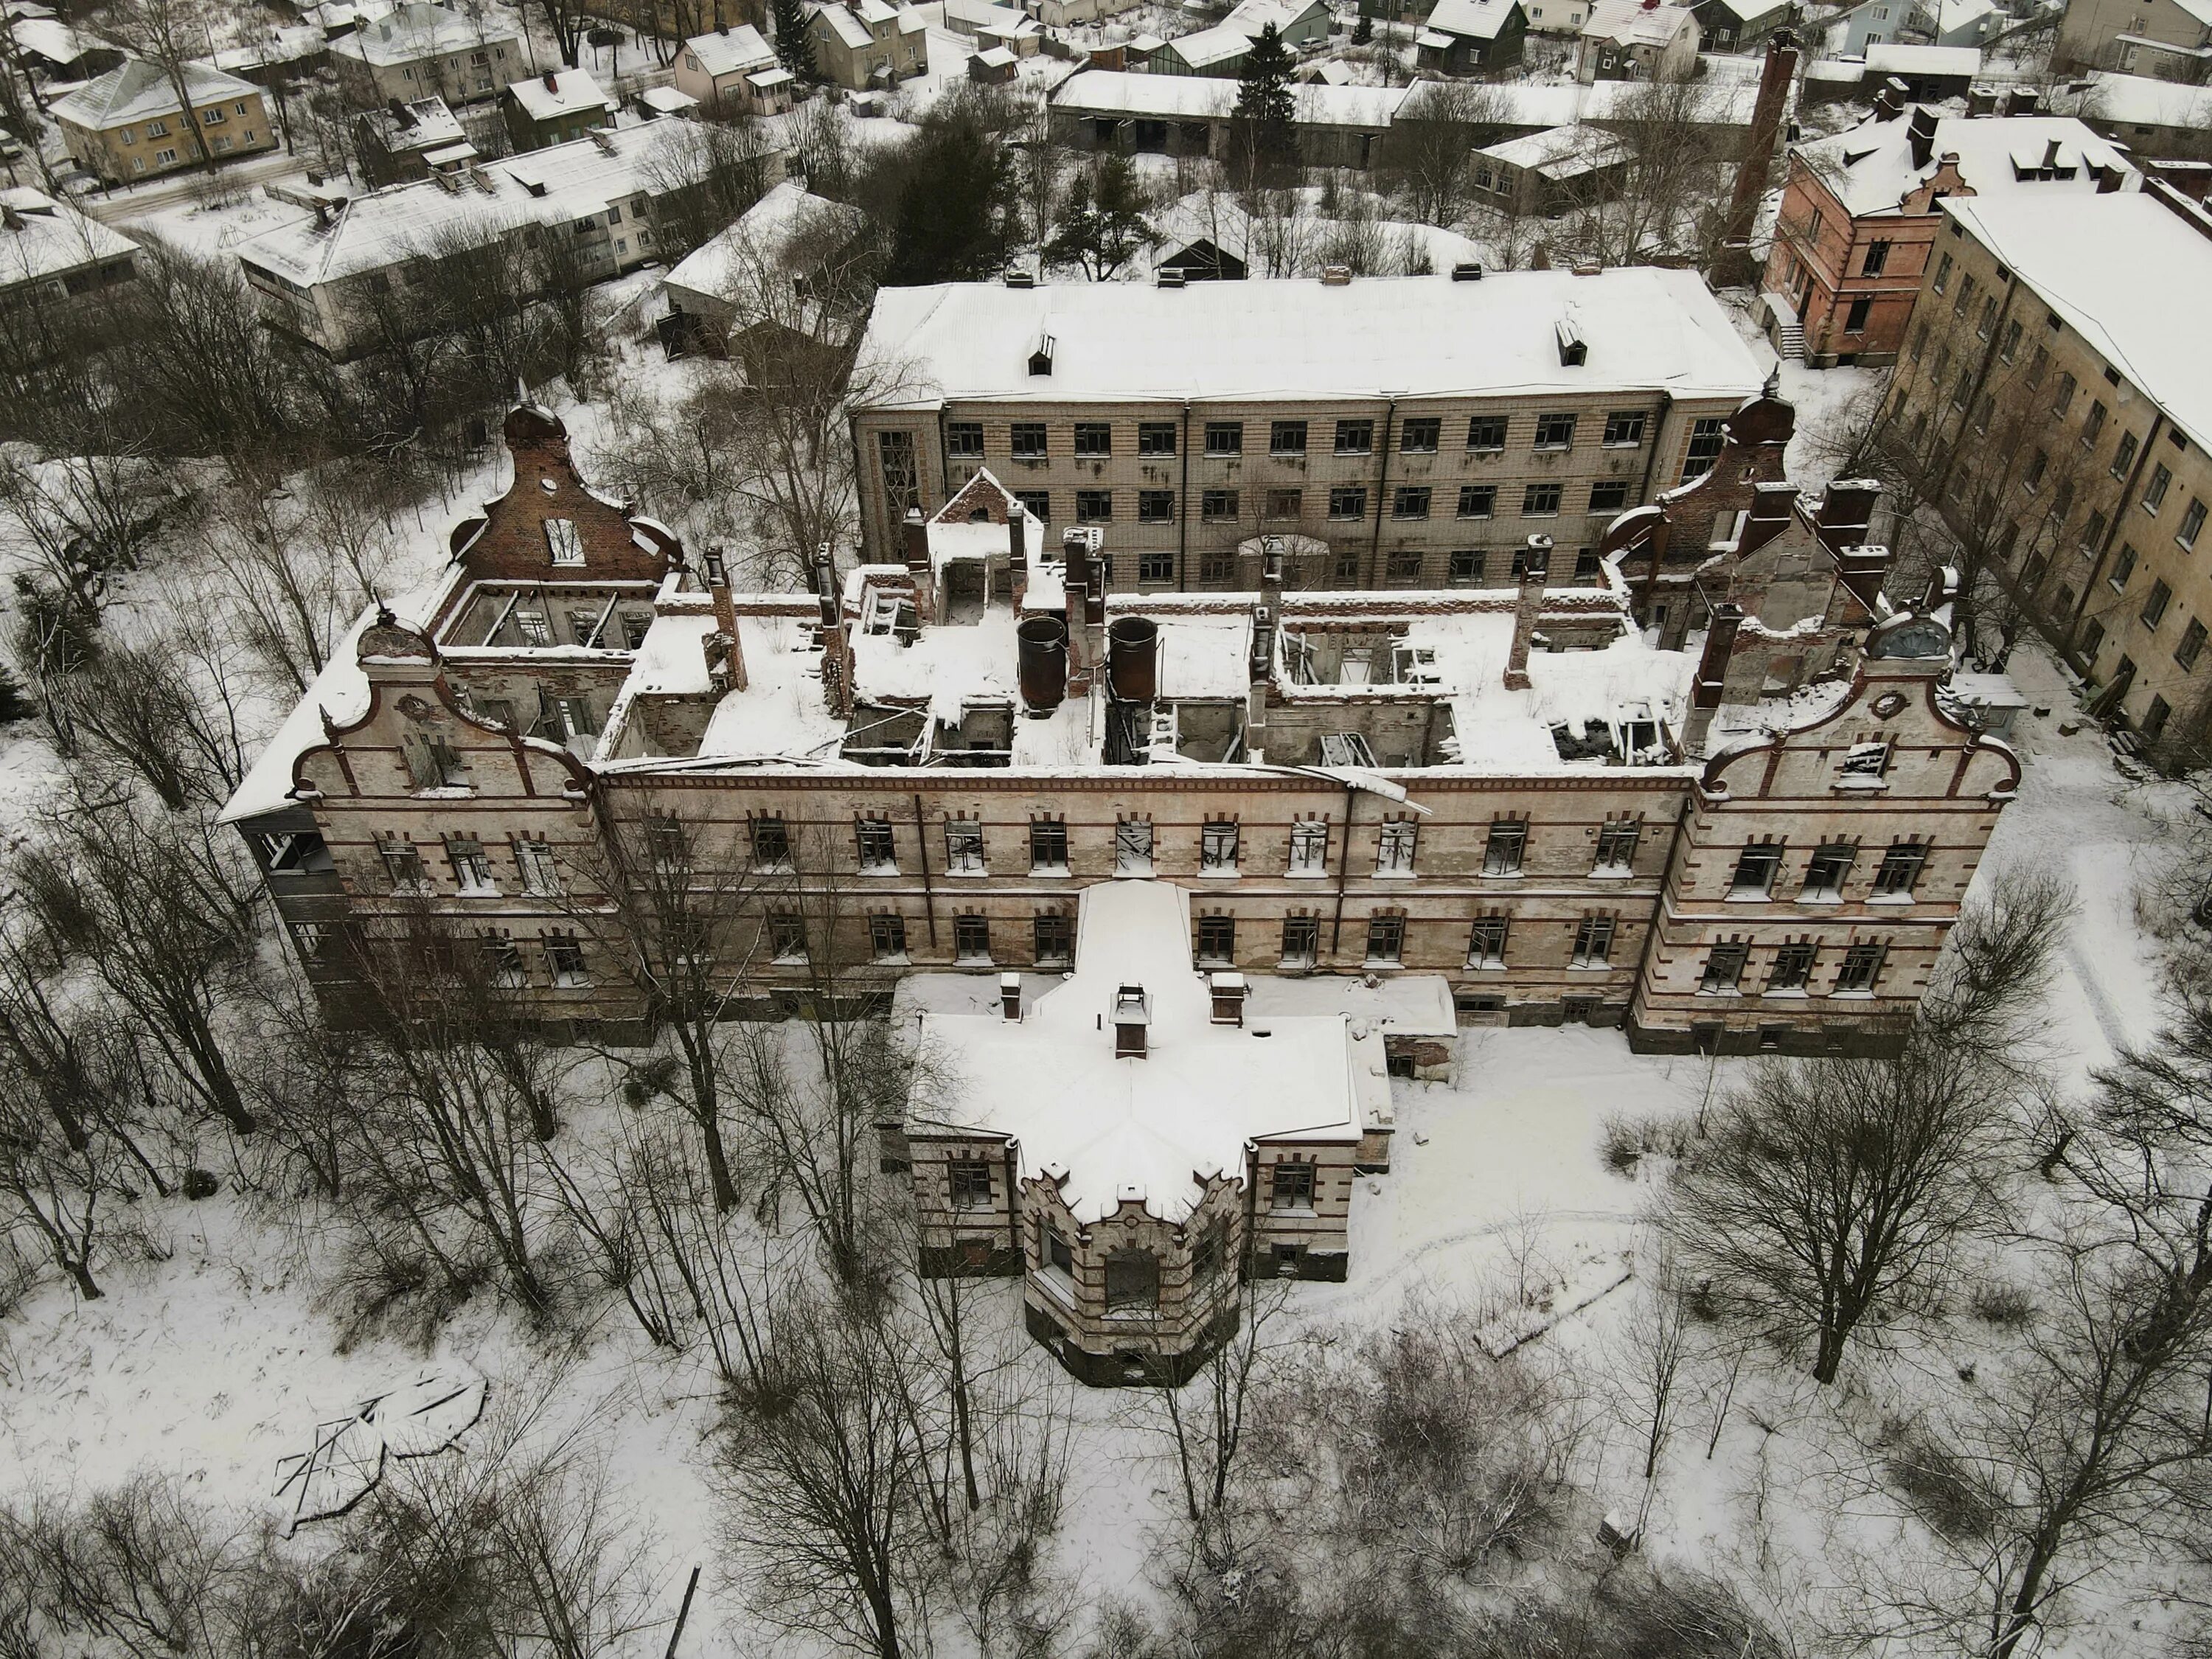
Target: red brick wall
512, 545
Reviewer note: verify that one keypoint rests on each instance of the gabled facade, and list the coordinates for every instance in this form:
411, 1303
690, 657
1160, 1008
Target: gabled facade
1637, 40
418, 49
557, 108
1472, 37
130, 124
2166, 40
735, 72
868, 44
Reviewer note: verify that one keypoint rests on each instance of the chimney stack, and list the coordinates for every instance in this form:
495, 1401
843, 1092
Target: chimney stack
1229, 993
1705, 692
1010, 995
1921, 137
724, 643
1133, 1017
1535, 566
1751, 172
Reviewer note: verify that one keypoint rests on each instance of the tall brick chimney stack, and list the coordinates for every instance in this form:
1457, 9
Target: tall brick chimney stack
1735, 267
1711, 683
1528, 603
725, 621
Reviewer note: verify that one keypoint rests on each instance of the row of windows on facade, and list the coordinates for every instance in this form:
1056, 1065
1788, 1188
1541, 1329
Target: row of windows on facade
213, 115
1224, 440
1030, 440
1401, 566
502, 961
1132, 1279
1409, 502
1758, 866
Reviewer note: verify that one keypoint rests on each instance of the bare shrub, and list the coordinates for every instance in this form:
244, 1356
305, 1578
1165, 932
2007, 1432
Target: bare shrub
1951, 1495
2006, 1306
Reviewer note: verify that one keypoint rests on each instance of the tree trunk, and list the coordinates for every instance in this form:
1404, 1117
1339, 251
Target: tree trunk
718, 1164
85, 1287
1828, 1359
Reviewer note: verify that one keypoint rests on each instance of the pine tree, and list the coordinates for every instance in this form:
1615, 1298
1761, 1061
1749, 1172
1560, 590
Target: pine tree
792, 46
957, 214
1261, 138
1102, 223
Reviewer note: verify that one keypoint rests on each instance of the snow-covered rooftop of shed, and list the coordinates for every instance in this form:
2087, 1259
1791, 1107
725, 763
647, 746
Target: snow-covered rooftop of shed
1561, 153
761, 238
558, 92
1715, 102
430, 124
1409, 336
1477, 19
1216, 217
1889, 57
1152, 1128
42, 237
1200, 97
2127, 273
1871, 170
2145, 100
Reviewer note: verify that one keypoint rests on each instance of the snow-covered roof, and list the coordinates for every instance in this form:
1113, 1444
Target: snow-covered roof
993, 58
2199, 9
1217, 217
1750, 11
407, 34
1525, 104
1215, 45
731, 51
667, 100
1952, 14
761, 238
139, 89
562, 181
1417, 336
2145, 100
281, 46
50, 39
1473, 20
1871, 170
847, 28
2122, 270
428, 124
1637, 23
1890, 59
1150, 1130
1560, 153
41, 237
1198, 97
557, 93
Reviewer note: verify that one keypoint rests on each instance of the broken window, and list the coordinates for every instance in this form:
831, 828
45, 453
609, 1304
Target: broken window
1217, 504
1825, 873
1217, 941
964, 438
1055, 941
1026, 440
1486, 434
1308, 848
1624, 429
971, 939
1285, 503
1861, 964
1755, 870
1420, 436
887, 937
1132, 847
1724, 965
565, 955
1286, 438
787, 936
561, 536
2192, 522
1217, 846
1386, 939
1048, 847
1478, 500
1486, 941
1355, 437
1094, 438
1156, 438
1541, 500
1410, 502
1608, 495
1706, 437
1133, 1280
1555, 431
1793, 967
1900, 867
1502, 853
1394, 848
472, 869
502, 959
2161, 479
963, 847
1592, 941
1210, 1250
968, 1180
1464, 565
1347, 501
1094, 507
1224, 437
1158, 506
1290, 1186
771, 843
1301, 941
1616, 843
1866, 760
877, 853
403, 865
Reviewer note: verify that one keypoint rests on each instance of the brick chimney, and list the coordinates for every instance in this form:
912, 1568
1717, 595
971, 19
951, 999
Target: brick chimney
1535, 566
726, 620
1751, 172
1010, 995
1228, 991
1705, 692
1133, 1019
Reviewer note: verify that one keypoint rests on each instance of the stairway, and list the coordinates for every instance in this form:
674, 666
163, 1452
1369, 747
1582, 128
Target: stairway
1788, 332
1792, 342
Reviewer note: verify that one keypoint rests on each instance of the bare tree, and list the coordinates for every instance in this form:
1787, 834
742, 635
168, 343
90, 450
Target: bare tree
1665, 198
1428, 154
171, 34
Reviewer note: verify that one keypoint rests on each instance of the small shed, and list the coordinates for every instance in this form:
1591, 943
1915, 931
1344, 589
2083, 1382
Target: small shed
1931, 74
992, 68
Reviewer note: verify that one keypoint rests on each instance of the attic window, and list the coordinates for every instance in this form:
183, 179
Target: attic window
561, 536
1574, 350
1040, 359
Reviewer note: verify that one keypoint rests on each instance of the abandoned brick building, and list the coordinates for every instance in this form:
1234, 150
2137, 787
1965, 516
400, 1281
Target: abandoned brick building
1722, 795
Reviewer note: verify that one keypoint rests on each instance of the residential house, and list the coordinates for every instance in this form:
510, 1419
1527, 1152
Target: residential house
557, 108
1472, 37
1190, 115
1637, 40
52, 51
53, 259
338, 280
410, 141
1861, 210
130, 124
867, 44
1958, 22
1221, 50
808, 243
1742, 24
1404, 431
991, 25
2166, 40
2048, 378
1870, 23
1544, 174
418, 49
1058, 13
735, 72
2152, 117
1558, 17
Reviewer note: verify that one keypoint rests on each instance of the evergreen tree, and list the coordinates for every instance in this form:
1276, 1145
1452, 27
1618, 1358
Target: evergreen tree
956, 216
1102, 223
1261, 140
792, 47
1364, 30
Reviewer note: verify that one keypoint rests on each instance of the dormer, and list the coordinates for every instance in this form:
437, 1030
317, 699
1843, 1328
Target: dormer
1040, 359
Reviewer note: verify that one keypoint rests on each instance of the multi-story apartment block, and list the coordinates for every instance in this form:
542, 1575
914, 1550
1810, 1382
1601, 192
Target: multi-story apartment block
2064, 428
577, 767
340, 280
130, 124
1860, 212
418, 49
1408, 433
2171, 39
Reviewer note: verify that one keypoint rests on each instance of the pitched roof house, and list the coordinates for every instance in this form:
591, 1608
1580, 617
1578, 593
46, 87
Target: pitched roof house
130, 124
